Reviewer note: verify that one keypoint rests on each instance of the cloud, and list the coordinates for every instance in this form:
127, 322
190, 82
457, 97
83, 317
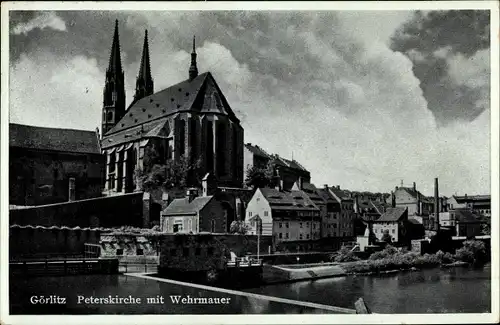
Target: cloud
43, 20
49, 91
326, 87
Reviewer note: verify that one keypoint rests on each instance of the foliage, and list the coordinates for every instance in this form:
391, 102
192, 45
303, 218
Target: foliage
386, 237
239, 227
168, 174
257, 177
386, 252
485, 229
345, 255
472, 252
445, 258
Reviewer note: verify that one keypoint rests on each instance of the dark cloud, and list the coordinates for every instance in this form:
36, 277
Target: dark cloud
432, 40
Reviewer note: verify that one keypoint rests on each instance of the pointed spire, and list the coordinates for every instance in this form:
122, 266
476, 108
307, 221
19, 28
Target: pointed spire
145, 70
144, 83
115, 62
193, 70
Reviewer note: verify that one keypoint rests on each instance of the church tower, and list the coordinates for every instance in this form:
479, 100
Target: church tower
144, 82
193, 70
114, 89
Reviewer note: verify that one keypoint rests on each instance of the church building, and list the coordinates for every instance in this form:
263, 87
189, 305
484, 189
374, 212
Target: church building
191, 120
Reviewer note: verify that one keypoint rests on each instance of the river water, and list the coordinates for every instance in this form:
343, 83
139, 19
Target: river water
453, 290
430, 291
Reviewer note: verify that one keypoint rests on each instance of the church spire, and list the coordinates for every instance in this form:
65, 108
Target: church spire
115, 62
193, 70
114, 88
144, 83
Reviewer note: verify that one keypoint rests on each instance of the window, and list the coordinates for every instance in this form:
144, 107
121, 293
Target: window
314, 226
221, 148
300, 225
119, 251
287, 225
280, 235
182, 137
265, 213
249, 213
178, 226
393, 231
307, 236
280, 225
287, 235
212, 226
300, 236
139, 251
307, 224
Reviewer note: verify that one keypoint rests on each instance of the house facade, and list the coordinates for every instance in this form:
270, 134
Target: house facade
194, 214
479, 204
50, 165
288, 216
401, 228
345, 222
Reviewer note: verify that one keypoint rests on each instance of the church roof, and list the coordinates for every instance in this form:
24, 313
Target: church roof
42, 138
184, 96
183, 207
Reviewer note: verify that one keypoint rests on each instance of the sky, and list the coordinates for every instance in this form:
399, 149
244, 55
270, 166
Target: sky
362, 99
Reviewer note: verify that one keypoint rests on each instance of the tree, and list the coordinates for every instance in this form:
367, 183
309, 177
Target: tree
168, 174
485, 229
239, 227
386, 237
258, 177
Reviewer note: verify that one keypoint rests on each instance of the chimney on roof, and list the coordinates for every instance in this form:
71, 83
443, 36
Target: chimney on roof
72, 190
419, 211
414, 186
279, 185
393, 199
191, 194
436, 202
466, 195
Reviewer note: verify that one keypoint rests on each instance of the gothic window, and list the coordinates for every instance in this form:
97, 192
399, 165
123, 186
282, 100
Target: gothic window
113, 96
221, 149
210, 146
234, 156
109, 117
193, 137
182, 137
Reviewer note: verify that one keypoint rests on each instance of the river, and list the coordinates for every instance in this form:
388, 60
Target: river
430, 291
453, 290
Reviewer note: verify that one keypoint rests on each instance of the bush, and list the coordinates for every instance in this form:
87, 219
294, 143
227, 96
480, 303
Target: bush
386, 252
345, 255
473, 252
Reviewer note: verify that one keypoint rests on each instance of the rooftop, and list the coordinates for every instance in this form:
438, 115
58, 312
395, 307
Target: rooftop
53, 139
392, 215
184, 207
288, 200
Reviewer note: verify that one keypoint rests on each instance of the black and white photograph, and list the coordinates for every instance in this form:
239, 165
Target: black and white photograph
328, 159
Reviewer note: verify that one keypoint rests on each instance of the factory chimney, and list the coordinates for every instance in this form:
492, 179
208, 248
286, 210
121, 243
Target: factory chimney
436, 203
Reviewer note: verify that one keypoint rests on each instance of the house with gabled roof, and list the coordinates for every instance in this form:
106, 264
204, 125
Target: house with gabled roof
191, 119
289, 216
396, 223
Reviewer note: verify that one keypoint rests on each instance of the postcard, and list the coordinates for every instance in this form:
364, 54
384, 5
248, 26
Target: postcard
250, 162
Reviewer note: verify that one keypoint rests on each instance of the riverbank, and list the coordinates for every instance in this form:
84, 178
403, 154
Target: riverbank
389, 260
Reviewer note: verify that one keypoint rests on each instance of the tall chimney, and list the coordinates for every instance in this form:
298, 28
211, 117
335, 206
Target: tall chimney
419, 211
436, 202
72, 190
414, 186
